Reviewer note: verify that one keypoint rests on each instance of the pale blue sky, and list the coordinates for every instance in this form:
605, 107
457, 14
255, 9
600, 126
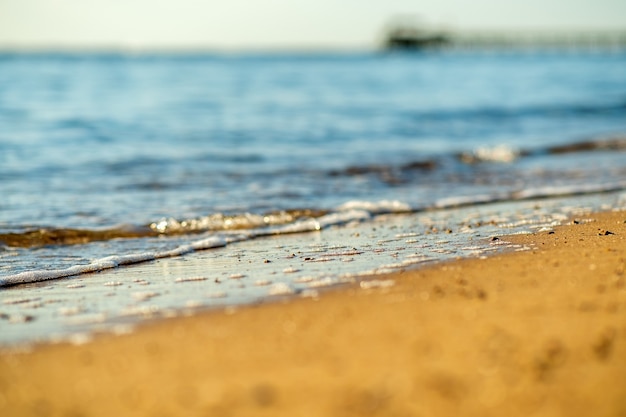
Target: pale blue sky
241, 24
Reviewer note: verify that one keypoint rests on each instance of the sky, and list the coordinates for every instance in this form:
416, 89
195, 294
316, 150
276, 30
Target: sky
277, 24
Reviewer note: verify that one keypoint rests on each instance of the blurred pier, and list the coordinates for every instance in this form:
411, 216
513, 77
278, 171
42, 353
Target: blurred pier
587, 40
409, 35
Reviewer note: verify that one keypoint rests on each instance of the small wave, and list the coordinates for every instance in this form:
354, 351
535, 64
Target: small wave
397, 174
107, 263
378, 207
53, 236
354, 170
614, 144
110, 262
220, 221
505, 153
499, 153
531, 193
390, 174
170, 226
565, 190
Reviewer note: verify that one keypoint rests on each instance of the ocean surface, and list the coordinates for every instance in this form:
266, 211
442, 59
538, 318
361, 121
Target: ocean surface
135, 185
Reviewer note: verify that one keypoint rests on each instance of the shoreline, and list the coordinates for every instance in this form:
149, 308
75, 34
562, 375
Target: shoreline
535, 332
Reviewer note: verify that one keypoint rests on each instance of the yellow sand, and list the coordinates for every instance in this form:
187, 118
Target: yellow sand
531, 333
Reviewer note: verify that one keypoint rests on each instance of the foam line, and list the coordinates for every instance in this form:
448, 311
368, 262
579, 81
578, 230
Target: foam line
212, 242
346, 213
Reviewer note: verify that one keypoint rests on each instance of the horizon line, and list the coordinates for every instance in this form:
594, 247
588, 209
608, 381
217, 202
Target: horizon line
460, 38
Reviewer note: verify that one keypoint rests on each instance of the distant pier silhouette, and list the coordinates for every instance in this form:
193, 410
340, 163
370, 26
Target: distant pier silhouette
410, 34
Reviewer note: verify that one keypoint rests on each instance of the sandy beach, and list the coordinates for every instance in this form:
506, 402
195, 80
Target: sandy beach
540, 331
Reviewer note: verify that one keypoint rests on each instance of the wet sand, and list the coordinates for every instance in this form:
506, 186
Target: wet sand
537, 332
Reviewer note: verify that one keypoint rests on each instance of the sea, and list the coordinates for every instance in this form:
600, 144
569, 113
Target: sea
141, 186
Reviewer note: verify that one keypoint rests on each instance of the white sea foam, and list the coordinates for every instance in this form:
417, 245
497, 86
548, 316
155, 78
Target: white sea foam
450, 202
179, 251
499, 153
280, 288
110, 262
352, 211
128, 259
71, 311
309, 225
190, 279
377, 207
209, 243
323, 282
414, 261
563, 190
145, 295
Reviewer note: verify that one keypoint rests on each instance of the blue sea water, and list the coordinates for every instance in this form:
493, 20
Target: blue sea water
145, 155
91, 141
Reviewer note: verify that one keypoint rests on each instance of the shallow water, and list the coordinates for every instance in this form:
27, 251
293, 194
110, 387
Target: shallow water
117, 166
288, 265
